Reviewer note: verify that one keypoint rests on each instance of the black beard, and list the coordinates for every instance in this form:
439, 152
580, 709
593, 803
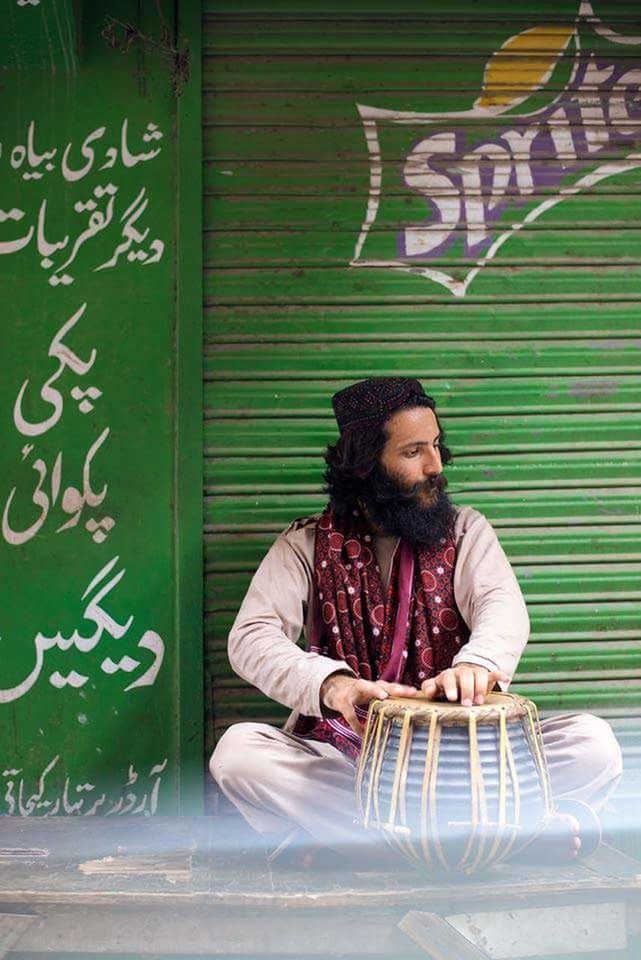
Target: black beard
398, 510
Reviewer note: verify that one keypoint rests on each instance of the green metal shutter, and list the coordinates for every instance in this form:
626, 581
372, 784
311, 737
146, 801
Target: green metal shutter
535, 363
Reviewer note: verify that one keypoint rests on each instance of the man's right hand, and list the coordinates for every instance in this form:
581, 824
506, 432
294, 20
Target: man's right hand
341, 693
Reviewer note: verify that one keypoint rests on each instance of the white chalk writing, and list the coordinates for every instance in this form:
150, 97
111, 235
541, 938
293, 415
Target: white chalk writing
80, 799
105, 624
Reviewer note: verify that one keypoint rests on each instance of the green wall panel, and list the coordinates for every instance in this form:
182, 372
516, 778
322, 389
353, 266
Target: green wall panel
92, 538
387, 191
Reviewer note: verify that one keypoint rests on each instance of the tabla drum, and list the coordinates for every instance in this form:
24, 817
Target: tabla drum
454, 788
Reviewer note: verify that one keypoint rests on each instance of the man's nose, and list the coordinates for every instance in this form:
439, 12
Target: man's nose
432, 463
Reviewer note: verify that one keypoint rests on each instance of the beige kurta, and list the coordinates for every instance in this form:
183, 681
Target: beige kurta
278, 606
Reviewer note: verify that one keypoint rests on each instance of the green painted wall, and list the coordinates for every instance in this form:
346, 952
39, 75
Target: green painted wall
403, 189
95, 649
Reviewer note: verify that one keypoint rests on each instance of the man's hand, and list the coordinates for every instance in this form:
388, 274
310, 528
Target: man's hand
466, 682
342, 693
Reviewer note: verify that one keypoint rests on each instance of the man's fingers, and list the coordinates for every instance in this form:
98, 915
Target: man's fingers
398, 689
429, 688
367, 690
495, 675
376, 691
442, 683
363, 691
466, 683
481, 678
448, 682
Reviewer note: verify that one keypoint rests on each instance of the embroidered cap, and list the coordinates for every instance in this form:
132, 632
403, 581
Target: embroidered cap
369, 403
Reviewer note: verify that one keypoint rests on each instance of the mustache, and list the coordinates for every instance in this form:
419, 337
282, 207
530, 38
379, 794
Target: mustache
437, 483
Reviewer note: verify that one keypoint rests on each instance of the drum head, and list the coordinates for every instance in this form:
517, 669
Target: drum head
510, 704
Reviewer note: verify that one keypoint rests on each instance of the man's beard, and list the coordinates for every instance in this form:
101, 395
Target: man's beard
398, 510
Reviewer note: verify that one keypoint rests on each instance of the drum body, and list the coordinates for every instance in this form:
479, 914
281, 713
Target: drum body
454, 788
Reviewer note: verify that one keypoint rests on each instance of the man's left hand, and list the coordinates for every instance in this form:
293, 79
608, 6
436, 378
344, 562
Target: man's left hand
467, 682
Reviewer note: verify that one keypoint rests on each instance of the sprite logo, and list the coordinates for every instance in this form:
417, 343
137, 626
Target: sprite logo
473, 178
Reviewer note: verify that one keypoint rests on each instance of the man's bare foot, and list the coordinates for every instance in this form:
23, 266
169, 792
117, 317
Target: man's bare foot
574, 830
558, 842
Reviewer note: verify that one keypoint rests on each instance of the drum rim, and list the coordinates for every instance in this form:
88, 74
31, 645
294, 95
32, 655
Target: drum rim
512, 705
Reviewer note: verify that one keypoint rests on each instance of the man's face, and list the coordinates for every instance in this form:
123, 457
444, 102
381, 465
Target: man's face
412, 453
405, 493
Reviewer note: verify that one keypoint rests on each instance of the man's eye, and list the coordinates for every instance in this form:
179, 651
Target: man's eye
411, 453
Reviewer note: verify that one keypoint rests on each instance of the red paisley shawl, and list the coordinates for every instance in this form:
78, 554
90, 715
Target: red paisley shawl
407, 636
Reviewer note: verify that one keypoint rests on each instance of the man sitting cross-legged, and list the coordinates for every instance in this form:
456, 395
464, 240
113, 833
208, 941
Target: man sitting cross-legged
389, 540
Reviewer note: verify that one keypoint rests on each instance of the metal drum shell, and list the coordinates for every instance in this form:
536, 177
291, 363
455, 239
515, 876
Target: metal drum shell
450, 787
